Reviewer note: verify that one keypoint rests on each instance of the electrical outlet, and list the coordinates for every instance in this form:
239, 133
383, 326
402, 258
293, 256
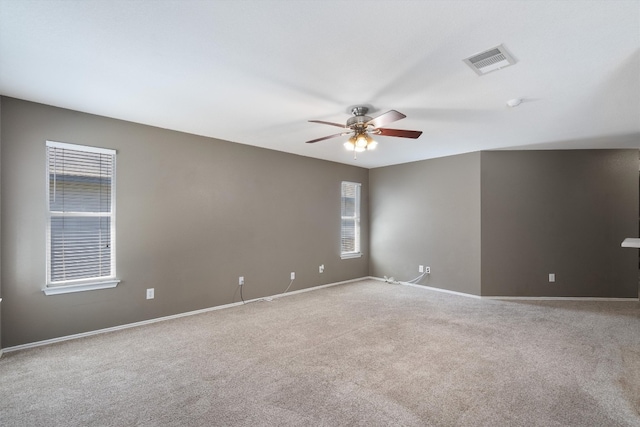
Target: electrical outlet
421, 269
427, 270
150, 293
240, 280
552, 277
293, 275
321, 269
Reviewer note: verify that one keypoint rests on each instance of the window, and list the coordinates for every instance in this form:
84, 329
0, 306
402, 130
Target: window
80, 218
350, 228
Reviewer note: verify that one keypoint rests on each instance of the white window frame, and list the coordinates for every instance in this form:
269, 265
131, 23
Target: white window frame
87, 284
357, 253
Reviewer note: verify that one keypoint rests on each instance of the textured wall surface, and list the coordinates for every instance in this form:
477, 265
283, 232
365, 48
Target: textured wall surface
193, 214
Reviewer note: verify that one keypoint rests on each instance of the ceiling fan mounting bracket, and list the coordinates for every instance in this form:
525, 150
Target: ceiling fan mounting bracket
359, 110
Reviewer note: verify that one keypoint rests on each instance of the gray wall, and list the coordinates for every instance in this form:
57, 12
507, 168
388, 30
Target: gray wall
562, 212
193, 214
428, 213
497, 223
0, 228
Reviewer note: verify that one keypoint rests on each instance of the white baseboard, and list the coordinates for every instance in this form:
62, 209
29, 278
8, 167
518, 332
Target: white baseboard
429, 288
162, 319
561, 299
446, 291
299, 291
507, 298
314, 288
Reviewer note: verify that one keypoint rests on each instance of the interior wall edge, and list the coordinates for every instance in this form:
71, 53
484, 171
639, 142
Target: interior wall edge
193, 214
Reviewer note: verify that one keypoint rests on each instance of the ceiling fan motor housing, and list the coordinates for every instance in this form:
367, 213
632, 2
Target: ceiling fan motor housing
359, 119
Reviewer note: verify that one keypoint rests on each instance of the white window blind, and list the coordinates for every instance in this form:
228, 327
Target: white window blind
81, 220
350, 228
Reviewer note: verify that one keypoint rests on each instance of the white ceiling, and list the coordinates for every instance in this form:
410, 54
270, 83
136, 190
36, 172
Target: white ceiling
255, 72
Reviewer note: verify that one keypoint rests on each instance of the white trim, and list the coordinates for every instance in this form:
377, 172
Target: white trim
299, 291
562, 299
114, 178
91, 283
78, 147
630, 242
356, 220
314, 288
631, 299
67, 289
429, 288
161, 319
349, 255
446, 291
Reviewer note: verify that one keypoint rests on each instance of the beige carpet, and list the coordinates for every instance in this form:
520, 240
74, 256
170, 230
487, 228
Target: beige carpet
367, 353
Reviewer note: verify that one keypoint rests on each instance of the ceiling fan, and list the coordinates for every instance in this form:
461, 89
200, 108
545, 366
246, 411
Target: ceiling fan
361, 127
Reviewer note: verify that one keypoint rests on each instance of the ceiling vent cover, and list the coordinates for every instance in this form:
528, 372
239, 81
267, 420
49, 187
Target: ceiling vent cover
490, 60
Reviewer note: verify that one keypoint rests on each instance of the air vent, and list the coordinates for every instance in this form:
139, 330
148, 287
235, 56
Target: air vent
490, 60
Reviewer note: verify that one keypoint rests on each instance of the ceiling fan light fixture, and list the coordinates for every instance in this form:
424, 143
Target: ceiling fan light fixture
361, 127
360, 142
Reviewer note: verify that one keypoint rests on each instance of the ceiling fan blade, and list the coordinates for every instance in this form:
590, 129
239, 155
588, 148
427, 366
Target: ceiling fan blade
383, 119
399, 132
328, 123
327, 137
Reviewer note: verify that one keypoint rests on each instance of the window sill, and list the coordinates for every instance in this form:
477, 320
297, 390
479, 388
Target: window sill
351, 255
67, 289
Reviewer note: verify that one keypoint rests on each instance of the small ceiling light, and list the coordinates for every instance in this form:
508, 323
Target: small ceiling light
514, 102
361, 141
